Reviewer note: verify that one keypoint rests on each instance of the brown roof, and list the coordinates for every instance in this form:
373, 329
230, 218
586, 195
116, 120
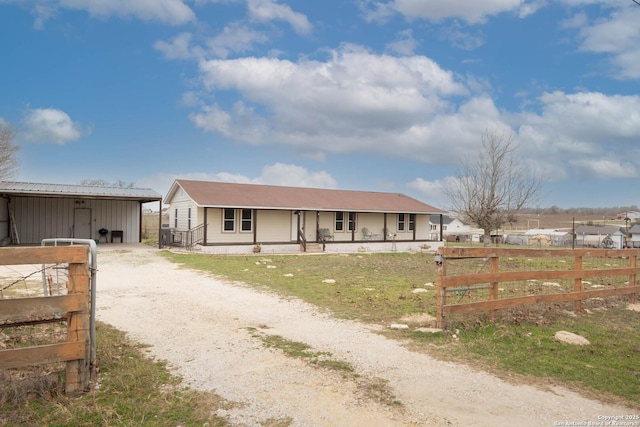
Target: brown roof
223, 194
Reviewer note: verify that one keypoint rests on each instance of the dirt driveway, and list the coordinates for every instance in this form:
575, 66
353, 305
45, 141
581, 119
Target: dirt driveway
203, 327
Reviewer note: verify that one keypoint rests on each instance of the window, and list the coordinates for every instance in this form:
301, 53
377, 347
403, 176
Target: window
229, 220
339, 226
434, 227
412, 222
175, 220
352, 221
401, 223
246, 222
189, 219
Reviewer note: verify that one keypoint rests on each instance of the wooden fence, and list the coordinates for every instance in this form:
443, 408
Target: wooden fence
467, 283
75, 307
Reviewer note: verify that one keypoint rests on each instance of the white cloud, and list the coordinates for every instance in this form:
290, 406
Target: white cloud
213, 119
295, 176
405, 44
172, 12
235, 38
618, 37
354, 101
433, 191
275, 174
591, 133
462, 38
49, 125
270, 10
472, 12
178, 48
604, 168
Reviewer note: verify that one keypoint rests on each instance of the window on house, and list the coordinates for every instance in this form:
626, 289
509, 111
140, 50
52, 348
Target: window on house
352, 221
229, 220
339, 224
189, 219
412, 222
401, 222
434, 227
246, 223
175, 219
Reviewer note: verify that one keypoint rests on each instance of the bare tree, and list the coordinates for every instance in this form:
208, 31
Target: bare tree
8, 152
491, 190
104, 183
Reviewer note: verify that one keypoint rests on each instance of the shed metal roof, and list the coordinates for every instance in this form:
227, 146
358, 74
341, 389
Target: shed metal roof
253, 196
78, 191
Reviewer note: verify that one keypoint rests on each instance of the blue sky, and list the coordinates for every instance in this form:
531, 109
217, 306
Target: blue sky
388, 95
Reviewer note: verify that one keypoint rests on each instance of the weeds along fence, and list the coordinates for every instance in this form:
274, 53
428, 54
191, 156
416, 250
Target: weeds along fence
491, 280
60, 277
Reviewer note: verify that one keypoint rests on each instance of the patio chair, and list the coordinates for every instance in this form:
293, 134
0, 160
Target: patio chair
326, 234
366, 234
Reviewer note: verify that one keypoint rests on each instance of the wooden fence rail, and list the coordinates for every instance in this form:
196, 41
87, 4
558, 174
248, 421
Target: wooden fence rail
492, 279
74, 307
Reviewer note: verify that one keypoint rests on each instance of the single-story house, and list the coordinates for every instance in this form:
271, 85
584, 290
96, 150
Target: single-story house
454, 229
228, 217
30, 212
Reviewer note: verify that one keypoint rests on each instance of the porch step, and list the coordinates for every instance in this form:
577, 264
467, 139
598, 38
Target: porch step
314, 248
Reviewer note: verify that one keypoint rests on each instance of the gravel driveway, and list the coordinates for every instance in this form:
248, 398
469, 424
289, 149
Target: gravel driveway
203, 327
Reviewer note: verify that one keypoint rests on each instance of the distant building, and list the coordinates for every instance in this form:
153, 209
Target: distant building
632, 215
600, 236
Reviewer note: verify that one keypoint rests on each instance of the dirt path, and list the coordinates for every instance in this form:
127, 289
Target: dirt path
202, 326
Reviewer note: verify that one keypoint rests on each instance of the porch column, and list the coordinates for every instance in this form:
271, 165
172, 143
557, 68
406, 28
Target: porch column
255, 226
159, 224
204, 228
415, 224
384, 229
441, 225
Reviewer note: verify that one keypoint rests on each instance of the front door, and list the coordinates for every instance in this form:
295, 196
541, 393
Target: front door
82, 223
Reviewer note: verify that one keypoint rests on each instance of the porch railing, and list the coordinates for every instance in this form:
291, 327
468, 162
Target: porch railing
187, 238
302, 241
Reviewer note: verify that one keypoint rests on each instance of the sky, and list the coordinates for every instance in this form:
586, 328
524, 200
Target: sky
373, 95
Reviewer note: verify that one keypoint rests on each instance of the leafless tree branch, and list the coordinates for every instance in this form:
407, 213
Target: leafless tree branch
492, 189
8, 152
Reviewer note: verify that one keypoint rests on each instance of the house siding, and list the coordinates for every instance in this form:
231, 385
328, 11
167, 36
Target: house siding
181, 203
272, 226
43, 218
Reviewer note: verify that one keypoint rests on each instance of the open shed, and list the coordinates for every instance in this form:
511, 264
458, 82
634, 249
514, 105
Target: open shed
30, 212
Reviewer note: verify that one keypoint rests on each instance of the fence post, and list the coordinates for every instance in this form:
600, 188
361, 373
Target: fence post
577, 284
440, 292
632, 278
78, 372
494, 266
